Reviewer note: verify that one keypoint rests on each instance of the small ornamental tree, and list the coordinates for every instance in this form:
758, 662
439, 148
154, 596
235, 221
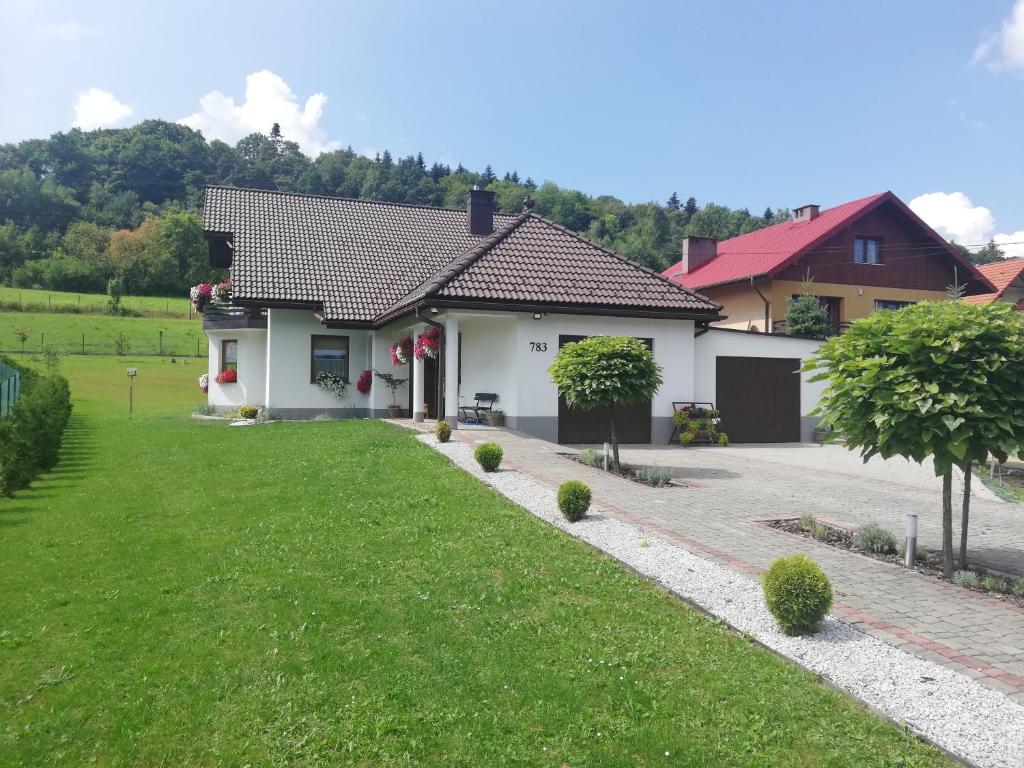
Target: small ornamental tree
606, 372
944, 380
805, 316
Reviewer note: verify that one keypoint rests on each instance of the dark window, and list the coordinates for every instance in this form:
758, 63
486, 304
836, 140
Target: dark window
867, 250
885, 304
329, 355
229, 355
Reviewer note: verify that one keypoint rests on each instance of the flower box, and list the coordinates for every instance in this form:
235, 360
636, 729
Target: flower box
227, 377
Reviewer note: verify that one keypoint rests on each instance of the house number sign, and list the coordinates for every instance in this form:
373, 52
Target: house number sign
538, 346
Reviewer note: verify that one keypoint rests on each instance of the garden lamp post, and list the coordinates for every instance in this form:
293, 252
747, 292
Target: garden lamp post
132, 372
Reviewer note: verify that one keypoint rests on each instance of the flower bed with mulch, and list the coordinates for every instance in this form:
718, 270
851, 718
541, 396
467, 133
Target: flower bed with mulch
629, 473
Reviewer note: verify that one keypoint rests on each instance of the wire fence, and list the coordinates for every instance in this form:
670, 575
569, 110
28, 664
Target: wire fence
10, 387
155, 344
93, 304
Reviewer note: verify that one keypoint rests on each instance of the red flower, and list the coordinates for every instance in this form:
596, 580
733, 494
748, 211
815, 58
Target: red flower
365, 380
226, 377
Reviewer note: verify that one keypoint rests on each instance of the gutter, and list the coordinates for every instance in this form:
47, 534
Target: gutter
767, 306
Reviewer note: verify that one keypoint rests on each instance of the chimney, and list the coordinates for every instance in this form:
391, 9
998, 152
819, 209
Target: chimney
698, 251
480, 211
806, 212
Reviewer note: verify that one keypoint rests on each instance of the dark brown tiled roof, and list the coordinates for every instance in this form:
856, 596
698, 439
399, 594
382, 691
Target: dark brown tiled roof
367, 261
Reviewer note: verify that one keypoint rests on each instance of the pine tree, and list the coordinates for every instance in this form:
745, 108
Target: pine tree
530, 183
689, 208
419, 161
385, 159
275, 131
514, 177
673, 202
460, 169
769, 214
487, 176
806, 316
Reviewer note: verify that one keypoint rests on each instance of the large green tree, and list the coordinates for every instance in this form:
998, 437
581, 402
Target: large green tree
606, 372
933, 380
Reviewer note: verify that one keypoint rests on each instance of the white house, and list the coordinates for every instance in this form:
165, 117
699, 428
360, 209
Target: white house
331, 284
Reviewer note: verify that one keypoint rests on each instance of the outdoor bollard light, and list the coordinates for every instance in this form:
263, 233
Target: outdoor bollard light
911, 551
131, 389
606, 457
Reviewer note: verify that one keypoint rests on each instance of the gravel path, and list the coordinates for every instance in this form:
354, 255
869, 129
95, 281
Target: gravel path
976, 723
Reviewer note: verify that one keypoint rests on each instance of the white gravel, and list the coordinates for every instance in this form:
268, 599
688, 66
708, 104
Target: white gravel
978, 724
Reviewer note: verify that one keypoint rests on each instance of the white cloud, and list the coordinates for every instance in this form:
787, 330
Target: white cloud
1012, 245
96, 108
1004, 50
268, 100
954, 216
65, 32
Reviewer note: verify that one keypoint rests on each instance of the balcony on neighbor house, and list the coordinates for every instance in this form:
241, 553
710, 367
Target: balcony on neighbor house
835, 327
219, 317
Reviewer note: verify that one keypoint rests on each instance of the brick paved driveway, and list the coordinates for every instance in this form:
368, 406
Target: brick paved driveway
979, 635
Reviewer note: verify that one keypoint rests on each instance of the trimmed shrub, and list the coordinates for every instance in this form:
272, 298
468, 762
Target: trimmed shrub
965, 579
248, 411
723, 439
30, 437
443, 431
488, 456
875, 539
798, 593
573, 499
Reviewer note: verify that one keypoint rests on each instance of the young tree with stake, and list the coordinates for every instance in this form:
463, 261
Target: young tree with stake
939, 380
606, 372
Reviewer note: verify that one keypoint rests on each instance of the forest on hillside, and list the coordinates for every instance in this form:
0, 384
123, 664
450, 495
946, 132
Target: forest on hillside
81, 209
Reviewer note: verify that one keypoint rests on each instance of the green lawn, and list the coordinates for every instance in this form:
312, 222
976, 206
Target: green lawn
180, 337
333, 593
41, 300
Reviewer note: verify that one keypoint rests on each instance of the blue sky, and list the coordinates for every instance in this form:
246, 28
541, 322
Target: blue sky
743, 103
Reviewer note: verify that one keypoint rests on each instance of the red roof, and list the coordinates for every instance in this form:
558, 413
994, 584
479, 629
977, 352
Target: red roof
1001, 274
768, 251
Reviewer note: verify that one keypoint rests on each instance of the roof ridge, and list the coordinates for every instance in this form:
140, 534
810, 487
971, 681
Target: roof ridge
635, 264
368, 201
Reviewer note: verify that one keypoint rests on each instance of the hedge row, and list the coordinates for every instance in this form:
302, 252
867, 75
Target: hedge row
30, 435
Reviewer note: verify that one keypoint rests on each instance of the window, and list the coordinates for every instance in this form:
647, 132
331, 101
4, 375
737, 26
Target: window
229, 355
885, 304
329, 355
867, 250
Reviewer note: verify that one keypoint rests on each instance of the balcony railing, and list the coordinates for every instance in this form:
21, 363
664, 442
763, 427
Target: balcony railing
224, 318
835, 328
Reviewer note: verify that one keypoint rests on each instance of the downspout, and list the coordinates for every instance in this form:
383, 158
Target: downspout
439, 384
767, 306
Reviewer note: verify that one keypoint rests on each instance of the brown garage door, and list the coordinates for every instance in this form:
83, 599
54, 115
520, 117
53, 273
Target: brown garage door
632, 422
759, 398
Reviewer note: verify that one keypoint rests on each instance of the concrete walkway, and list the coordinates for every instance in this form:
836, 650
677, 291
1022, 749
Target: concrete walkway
730, 489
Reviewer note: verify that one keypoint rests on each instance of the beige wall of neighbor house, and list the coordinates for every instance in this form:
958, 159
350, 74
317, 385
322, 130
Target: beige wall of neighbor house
857, 301
729, 343
743, 307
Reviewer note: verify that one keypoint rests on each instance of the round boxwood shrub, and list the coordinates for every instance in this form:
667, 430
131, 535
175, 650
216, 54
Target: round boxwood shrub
443, 430
248, 411
488, 456
573, 499
798, 593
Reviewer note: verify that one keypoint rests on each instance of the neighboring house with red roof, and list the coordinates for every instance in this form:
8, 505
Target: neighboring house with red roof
330, 285
1006, 277
868, 254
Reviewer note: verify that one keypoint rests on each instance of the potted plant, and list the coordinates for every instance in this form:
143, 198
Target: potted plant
204, 383
201, 296
226, 377
428, 344
496, 418
393, 383
332, 383
365, 380
401, 351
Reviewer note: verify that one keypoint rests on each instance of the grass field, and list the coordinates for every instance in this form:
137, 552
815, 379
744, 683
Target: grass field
32, 300
100, 331
334, 593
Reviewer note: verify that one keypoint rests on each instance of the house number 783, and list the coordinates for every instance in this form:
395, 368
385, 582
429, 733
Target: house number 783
538, 346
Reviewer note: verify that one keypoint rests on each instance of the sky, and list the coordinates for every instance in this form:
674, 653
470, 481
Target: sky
747, 104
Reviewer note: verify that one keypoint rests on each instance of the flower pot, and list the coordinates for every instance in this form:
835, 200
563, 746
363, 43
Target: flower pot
496, 419
394, 411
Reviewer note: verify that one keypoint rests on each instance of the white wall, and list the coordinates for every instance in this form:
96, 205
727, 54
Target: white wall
289, 333
719, 342
673, 350
383, 338
252, 357
488, 360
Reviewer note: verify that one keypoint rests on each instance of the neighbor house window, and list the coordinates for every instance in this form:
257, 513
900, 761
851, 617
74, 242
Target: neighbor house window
229, 355
884, 304
329, 355
867, 250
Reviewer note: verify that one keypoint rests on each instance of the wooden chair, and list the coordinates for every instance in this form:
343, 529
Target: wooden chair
484, 402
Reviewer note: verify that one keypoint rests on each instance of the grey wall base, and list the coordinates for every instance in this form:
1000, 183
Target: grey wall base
807, 425
331, 413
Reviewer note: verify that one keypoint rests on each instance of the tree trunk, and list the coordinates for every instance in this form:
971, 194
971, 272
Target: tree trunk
964, 516
615, 439
947, 524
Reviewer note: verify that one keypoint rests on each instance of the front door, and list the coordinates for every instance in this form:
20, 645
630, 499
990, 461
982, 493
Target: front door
430, 387
632, 422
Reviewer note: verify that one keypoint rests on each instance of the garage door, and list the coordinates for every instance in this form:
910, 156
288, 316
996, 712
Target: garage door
759, 398
632, 422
